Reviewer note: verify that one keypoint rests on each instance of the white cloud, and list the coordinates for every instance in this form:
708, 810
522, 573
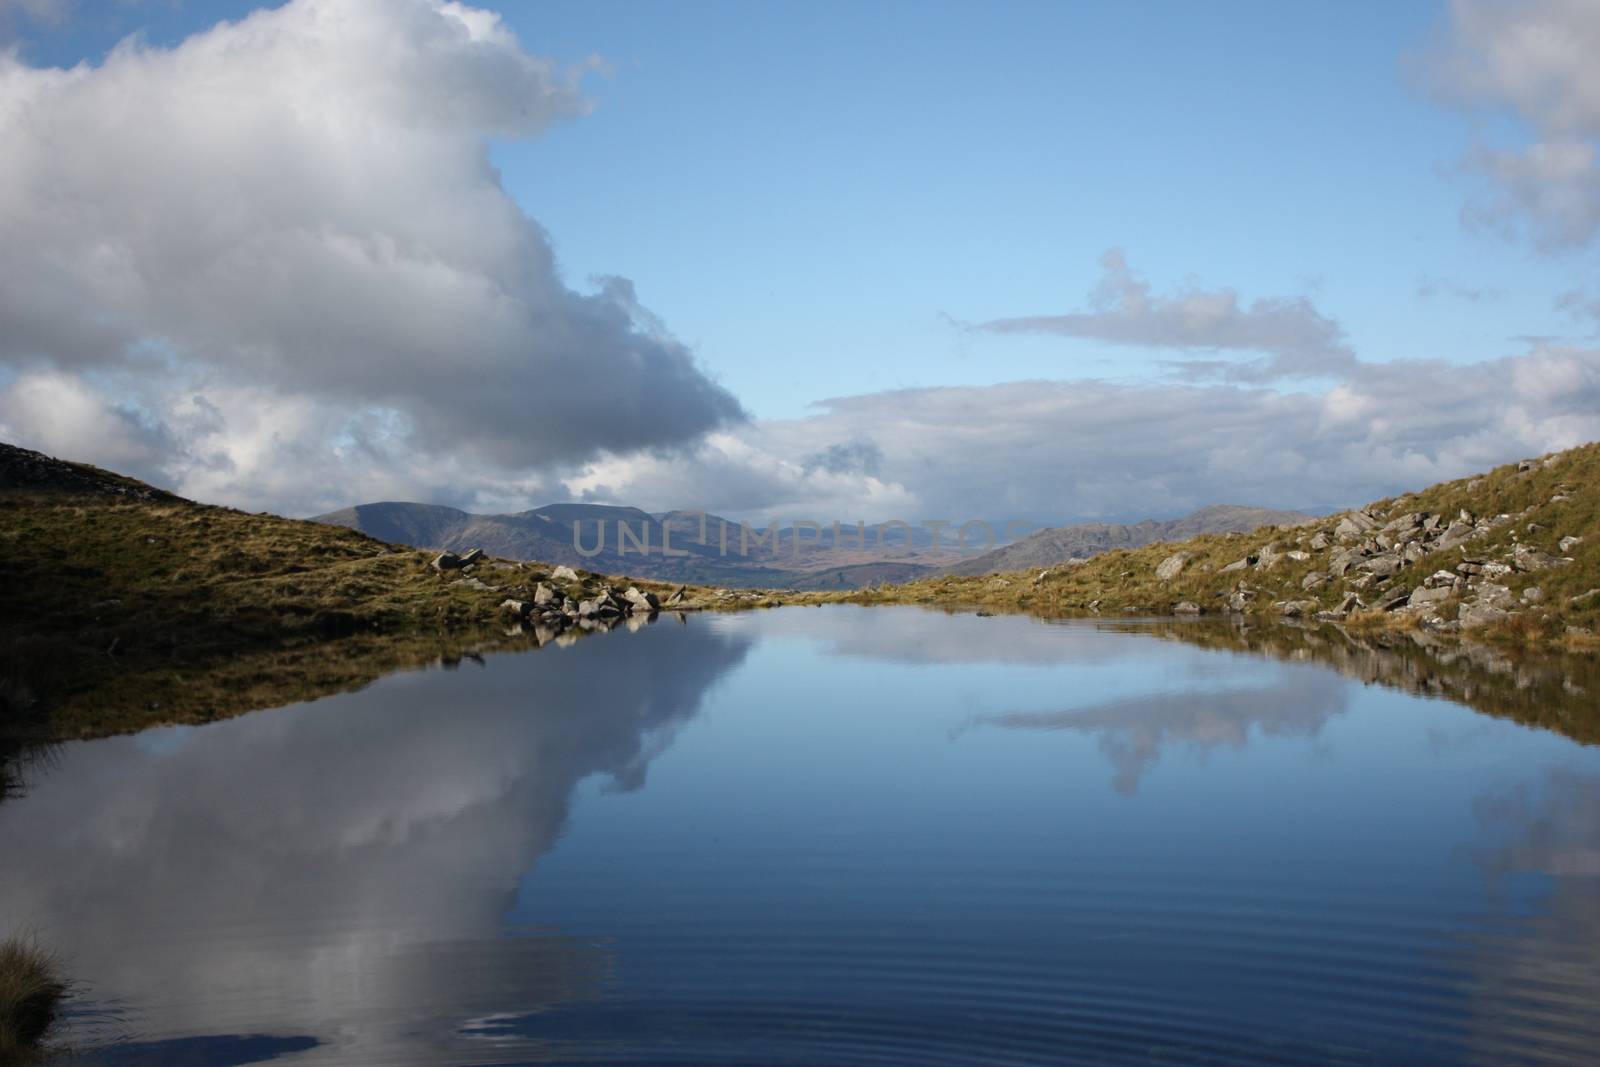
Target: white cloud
1056, 451
1289, 335
299, 208
1535, 59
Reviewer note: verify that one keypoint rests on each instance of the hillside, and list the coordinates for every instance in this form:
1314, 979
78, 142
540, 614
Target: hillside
103, 578
1513, 554
1046, 548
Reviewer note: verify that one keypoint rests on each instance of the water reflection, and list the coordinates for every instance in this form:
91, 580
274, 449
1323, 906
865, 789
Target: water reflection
1132, 733
360, 857
889, 839
1537, 960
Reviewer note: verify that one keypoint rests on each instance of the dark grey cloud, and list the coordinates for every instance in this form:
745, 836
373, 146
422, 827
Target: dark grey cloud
1288, 335
300, 207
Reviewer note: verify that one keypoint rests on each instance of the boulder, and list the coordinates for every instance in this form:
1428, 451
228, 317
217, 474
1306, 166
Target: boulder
446, 561
1354, 525
1439, 579
1294, 609
469, 558
518, 608
1568, 543
1236, 565
1314, 580
1384, 566
1320, 542
678, 595
1170, 567
1533, 595
640, 601
1496, 595
1187, 607
1475, 615
543, 595
564, 574
1423, 597
1528, 558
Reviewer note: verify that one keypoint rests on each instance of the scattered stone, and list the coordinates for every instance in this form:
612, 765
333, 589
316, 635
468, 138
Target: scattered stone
1187, 607
543, 595
1528, 558
1533, 595
1236, 565
1566, 544
1423, 597
518, 608
1395, 603
1294, 609
1385, 566
446, 561
1298, 556
1320, 542
469, 558
1581, 597
1440, 579
564, 574
1313, 581
1167, 569
1477, 615
639, 601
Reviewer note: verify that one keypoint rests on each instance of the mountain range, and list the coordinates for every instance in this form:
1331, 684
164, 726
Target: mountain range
1046, 548
709, 549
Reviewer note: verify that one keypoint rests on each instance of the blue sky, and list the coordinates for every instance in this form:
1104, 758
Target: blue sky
821, 200
808, 193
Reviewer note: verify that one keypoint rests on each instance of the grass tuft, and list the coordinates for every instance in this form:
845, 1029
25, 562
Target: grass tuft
31, 992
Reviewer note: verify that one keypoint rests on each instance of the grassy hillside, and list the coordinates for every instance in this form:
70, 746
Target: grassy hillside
1512, 555
104, 578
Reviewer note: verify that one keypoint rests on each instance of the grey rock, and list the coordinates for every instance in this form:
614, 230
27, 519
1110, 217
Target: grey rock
1314, 580
1172, 566
1475, 615
518, 608
1187, 607
1533, 595
446, 561
543, 595
1568, 543
564, 574
1528, 558
1424, 597
469, 558
1385, 566
1441, 579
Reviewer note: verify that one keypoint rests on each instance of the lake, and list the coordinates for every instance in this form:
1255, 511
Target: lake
834, 836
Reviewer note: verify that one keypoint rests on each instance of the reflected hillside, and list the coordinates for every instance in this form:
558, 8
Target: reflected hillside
1551, 692
71, 697
281, 868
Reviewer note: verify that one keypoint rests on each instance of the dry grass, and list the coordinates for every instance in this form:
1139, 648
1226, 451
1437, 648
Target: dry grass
31, 991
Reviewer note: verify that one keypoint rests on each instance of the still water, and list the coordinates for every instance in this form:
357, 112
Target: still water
828, 836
